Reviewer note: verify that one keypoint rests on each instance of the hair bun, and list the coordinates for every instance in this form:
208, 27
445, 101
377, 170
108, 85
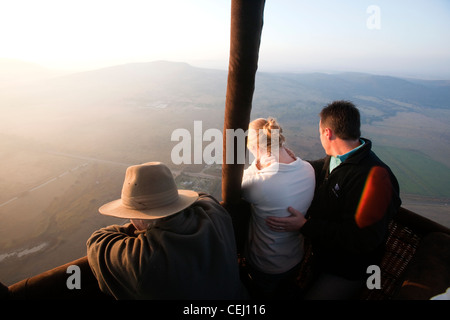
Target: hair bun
263, 128
270, 125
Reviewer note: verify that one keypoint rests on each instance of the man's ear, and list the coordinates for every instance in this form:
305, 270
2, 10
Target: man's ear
327, 132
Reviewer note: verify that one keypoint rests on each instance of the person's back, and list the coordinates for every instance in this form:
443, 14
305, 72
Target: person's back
275, 180
348, 225
270, 191
190, 255
179, 244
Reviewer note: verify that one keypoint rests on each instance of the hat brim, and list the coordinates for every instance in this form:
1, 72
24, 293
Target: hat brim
116, 209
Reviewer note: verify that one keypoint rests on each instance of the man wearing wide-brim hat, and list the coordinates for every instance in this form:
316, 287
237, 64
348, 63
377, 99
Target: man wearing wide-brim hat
178, 245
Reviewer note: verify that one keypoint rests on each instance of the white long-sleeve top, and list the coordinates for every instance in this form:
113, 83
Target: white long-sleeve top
271, 191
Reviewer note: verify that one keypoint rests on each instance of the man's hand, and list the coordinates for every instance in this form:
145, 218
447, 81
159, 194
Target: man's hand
292, 223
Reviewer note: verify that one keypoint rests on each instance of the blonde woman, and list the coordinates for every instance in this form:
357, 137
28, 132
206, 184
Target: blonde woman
274, 181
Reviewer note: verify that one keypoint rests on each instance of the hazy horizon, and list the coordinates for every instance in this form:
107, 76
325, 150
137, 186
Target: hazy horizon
211, 65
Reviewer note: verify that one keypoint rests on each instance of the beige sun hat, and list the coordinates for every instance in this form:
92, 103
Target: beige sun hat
149, 192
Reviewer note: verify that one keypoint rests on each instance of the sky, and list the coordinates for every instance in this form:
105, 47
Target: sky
401, 37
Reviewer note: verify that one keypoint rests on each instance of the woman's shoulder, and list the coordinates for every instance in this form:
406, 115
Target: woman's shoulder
299, 163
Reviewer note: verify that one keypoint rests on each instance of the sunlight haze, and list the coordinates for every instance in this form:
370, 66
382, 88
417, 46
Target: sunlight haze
298, 36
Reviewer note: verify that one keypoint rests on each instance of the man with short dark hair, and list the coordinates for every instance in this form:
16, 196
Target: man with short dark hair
356, 196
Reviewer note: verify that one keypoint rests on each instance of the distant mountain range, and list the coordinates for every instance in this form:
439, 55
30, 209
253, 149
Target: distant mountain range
425, 93
161, 77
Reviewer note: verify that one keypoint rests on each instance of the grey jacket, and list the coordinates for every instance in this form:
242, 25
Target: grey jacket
190, 255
